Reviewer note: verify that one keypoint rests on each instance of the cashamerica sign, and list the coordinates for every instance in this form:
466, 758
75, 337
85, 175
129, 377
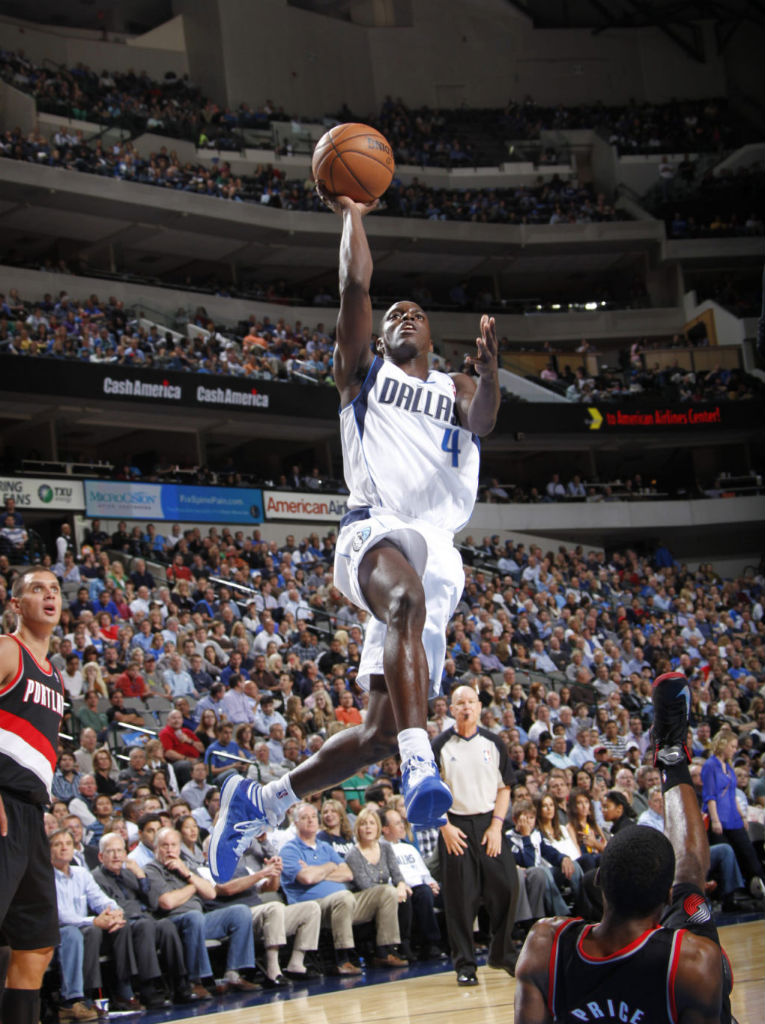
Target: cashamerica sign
135, 387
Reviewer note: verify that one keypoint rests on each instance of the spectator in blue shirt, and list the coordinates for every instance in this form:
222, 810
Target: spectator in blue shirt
719, 800
220, 767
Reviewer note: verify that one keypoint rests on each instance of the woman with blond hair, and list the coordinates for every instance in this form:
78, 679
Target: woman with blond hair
718, 794
116, 575
275, 664
293, 709
240, 632
322, 714
372, 863
93, 678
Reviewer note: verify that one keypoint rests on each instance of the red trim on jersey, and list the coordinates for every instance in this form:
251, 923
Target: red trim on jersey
553, 972
49, 671
31, 736
667, 675
19, 670
672, 975
624, 951
730, 966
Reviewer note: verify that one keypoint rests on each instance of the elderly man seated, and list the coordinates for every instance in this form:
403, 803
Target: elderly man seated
87, 916
180, 894
126, 883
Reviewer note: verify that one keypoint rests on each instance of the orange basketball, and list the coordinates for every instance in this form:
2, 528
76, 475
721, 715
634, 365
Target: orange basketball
353, 160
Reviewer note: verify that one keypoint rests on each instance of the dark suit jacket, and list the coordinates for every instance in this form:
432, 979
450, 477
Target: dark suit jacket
134, 902
90, 853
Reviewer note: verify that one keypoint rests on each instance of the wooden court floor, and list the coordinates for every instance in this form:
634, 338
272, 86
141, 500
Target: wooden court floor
436, 999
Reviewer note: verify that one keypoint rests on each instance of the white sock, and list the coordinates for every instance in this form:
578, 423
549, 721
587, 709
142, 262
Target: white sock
272, 962
296, 960
278, 797
414, 743
232, 976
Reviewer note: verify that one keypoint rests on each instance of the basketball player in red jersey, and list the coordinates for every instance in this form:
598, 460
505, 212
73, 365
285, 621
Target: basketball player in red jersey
642, 963
31, 707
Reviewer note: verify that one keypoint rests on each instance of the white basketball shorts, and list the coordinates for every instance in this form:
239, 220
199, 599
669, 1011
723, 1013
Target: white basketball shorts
434, 558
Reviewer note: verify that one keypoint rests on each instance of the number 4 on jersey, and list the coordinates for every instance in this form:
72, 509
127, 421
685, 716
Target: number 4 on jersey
451, 444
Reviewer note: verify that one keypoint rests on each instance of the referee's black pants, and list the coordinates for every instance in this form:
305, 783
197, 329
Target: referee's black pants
471, 879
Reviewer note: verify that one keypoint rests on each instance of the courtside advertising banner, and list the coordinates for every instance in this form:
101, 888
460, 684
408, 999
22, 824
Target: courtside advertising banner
306, 508
55, 494
115, 499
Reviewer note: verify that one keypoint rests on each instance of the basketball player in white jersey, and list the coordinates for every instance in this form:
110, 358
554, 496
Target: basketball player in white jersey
411, 459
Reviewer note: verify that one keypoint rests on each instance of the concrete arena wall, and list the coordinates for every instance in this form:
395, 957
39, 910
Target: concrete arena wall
479, 54
43, 42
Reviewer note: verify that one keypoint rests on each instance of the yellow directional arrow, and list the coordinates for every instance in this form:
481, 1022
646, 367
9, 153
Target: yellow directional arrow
596, 417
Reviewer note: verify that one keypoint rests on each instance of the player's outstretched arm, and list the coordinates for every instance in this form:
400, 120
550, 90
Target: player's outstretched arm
478, 403
532, 974
354, 323
684, 827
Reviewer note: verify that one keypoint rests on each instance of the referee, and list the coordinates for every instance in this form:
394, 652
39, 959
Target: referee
476, 862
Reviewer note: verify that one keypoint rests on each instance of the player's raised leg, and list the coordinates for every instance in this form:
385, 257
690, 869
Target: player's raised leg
394, 593
248, 809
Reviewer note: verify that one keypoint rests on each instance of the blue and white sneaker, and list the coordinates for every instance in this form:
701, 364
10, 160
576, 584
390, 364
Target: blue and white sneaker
426, 797
241, 817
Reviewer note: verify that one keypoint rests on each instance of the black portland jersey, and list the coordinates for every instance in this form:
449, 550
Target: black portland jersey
31, 709
635, 985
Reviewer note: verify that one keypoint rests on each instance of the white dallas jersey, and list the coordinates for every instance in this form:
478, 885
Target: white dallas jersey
404, 451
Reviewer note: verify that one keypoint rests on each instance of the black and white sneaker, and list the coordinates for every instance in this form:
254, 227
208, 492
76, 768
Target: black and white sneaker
671, 710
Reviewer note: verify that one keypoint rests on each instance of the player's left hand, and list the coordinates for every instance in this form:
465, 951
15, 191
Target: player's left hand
486, 360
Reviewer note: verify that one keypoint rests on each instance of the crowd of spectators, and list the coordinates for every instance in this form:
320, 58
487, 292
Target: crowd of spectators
89, 330
639, 376
554, 202
93, 331
577, 488
423, 136
490, 136
175, 679
134, 101
677, 127
725, 204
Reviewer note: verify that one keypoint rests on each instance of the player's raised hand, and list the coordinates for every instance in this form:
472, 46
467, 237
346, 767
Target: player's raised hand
485, 361
339, 203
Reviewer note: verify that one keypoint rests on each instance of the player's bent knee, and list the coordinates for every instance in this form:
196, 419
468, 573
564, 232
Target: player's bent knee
406, 607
